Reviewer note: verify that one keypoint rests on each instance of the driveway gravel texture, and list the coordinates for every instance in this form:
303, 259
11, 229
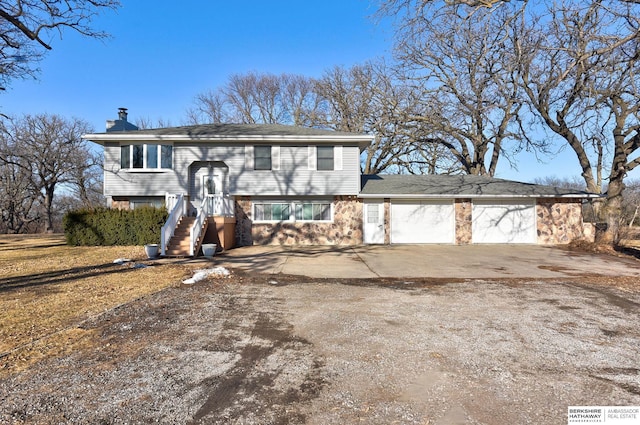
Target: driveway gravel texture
280, 349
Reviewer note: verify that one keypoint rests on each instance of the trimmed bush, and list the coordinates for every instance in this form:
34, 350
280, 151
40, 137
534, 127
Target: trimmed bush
106, 226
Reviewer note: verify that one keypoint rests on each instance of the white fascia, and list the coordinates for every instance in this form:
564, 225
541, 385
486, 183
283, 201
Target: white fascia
115, 137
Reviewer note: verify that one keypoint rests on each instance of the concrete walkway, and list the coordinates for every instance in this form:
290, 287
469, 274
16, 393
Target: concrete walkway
435, 261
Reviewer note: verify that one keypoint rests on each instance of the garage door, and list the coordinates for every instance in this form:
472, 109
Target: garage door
504, 221
422, 222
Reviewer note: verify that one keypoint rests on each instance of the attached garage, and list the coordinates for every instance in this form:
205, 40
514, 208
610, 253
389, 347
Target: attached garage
504, 221
465, 209
423, 221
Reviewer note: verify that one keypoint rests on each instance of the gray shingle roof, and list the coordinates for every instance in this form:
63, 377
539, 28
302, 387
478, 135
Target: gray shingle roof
238, 130
459, 186
233, 133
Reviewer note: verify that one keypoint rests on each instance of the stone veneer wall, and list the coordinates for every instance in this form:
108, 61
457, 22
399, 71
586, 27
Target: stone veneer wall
387, 221
120, 205
463, 221
559, 221
346, 228
243, 221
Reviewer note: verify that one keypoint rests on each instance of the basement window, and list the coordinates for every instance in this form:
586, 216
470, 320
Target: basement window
270, 211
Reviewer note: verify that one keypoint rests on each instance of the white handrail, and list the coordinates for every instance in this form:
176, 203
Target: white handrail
219, 204
175, 214
204, 211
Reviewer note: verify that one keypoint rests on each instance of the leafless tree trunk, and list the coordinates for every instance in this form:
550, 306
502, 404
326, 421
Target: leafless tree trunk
49, 150
579, 70
470, 101
19, 200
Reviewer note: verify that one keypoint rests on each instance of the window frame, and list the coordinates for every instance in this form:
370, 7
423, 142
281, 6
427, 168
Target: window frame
320, 158
312, 204
293, 206
133, 149
256, 157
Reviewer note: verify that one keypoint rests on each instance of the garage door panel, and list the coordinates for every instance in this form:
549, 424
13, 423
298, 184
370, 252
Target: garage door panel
503, 222
422, 222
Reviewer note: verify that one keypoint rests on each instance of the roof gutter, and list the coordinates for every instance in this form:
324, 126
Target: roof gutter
363, 140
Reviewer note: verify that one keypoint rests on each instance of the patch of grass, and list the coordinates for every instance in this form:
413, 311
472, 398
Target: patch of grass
47, 288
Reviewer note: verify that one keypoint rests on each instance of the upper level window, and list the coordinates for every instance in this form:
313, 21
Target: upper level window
262, 157
146, 156
166, 156
325, 158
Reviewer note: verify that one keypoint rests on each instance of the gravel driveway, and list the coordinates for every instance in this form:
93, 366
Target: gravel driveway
283, 349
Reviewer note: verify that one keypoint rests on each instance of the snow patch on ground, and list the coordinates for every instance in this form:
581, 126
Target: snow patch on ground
199, 275
121, 261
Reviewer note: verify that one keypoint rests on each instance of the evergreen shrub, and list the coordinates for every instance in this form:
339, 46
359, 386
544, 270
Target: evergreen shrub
107, 226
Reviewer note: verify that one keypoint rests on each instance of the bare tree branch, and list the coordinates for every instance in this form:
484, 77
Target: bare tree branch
27, 25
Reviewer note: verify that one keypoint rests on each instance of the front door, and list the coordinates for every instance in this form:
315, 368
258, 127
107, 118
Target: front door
373, 222
211, 184
207, 178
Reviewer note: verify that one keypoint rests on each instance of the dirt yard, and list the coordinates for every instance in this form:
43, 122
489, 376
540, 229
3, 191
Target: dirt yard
258, 349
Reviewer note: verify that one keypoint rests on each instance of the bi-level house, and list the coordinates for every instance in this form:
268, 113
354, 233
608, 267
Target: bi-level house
259, 183
273, 184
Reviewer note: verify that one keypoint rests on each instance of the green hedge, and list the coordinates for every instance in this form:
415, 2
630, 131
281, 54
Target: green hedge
105, 226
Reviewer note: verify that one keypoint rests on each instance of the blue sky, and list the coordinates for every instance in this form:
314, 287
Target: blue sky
161, 56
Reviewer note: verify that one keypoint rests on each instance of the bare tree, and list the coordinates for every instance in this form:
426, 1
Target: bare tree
576, 72
144, 123
369, 98
19, 200
362, 99
209, 107
579, 70
470, 101
258, 98
304, 106
26, 26
49, 150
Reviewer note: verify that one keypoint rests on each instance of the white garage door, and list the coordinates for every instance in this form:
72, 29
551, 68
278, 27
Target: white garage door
422, 221
504, 221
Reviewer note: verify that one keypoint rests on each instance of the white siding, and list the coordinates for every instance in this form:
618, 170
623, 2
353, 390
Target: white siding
119, 182
292, 179
295, 178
